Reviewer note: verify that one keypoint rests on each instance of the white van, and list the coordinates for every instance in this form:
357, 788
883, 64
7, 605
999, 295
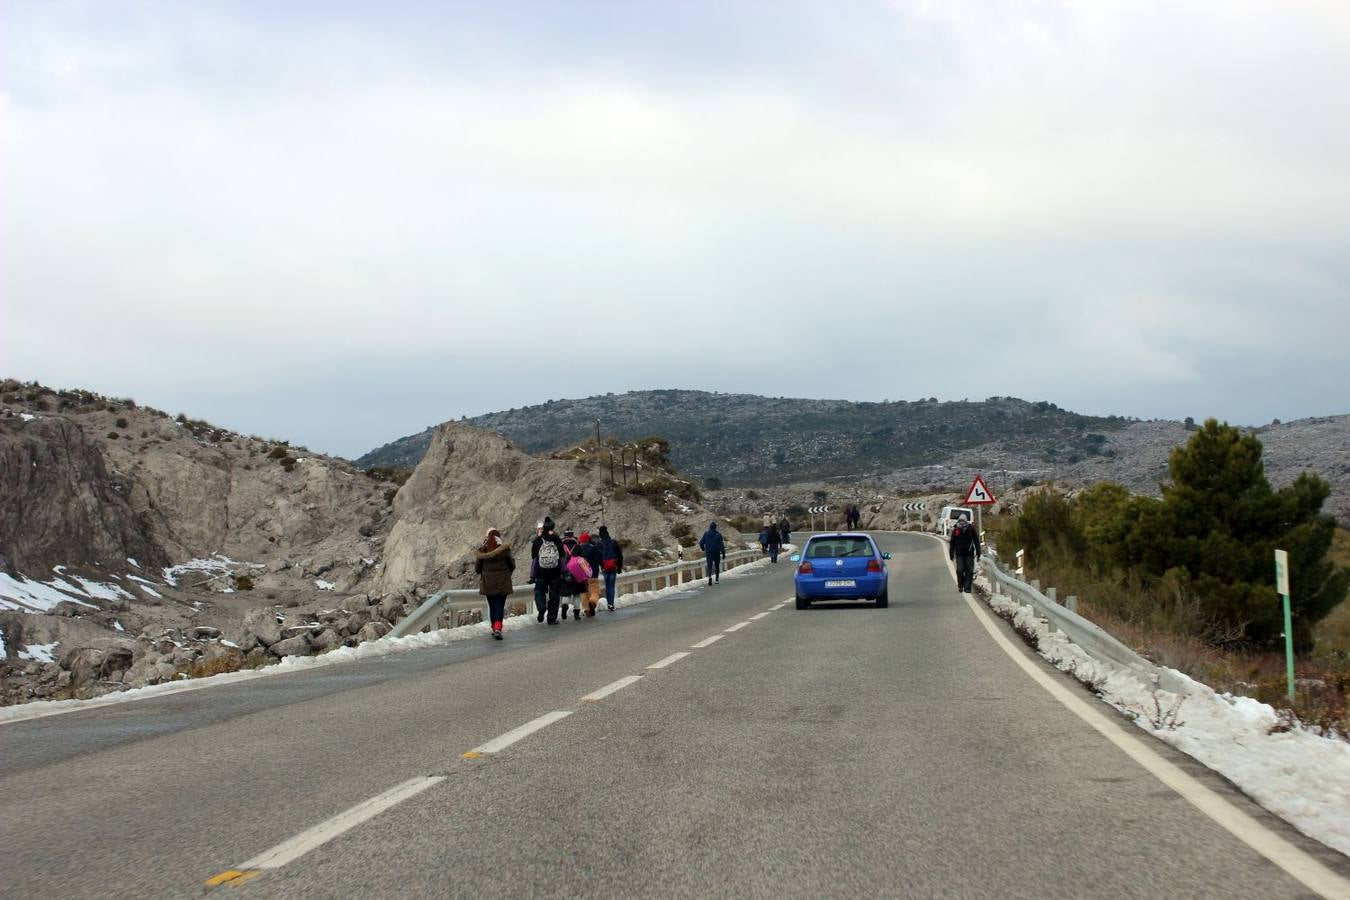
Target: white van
950, 516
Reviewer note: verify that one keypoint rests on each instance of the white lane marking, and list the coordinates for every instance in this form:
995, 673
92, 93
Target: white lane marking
324, 832
737, 627
759, 615
672, 658
1303, 867
708, 642
498, 744
611, 688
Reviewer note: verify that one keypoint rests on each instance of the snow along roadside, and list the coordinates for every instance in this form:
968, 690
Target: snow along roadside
1300, 776
369, 650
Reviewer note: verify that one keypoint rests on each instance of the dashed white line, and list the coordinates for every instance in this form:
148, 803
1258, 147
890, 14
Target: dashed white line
737, 627
610, 688
708, 642
498, 744
672, 658
320, 834
759, 615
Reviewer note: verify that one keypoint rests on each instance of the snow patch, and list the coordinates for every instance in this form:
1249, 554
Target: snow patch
102, 591
131, 562
213, 567
39, 652
324, 585
1299, 775
118, 625
27, 417
35, 596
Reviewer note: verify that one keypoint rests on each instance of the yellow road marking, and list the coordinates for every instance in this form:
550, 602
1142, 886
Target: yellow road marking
471, 755
232, 877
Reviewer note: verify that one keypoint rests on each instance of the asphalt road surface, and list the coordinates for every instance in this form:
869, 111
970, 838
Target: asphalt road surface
838, 751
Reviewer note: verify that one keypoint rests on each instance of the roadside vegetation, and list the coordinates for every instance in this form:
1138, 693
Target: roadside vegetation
1188, 579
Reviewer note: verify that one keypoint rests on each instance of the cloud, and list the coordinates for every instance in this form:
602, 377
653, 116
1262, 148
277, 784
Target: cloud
1109, 199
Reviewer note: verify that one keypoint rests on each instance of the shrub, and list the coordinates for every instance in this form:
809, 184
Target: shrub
243, 582
122, 423
288, 463
277, 452
389, 473
112, 435
680, 529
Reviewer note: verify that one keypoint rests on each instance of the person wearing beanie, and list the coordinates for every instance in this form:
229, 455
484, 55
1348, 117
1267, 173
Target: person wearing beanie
546, 559
714, 548
590, 551
611, 564
494, 565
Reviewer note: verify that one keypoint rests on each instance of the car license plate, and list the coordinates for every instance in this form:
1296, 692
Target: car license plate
849, 583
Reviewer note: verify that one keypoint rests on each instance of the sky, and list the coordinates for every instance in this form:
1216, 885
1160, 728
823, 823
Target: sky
341, 222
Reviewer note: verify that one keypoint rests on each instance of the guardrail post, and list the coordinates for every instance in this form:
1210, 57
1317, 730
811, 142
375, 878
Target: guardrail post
1036, 583
1053, 594
1071, 602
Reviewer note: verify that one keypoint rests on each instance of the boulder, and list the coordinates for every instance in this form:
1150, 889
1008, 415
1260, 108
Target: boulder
205, 633
262, 624
221, 658
373, 630
355, 622
326, 640
116, 660
391, 608
83, 664
257, 657
292, 646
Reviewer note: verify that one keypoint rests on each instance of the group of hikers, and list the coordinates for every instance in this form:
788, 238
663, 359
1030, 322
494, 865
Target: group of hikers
773, 536
569, 573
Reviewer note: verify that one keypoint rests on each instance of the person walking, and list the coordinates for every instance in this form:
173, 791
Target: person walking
546, 555
590, 551
775, 543
611, 564
714, 548
964, 548
572, 587
494, 565
764, 541
784, 531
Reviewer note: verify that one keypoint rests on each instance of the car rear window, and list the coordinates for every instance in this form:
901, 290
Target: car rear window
830, 548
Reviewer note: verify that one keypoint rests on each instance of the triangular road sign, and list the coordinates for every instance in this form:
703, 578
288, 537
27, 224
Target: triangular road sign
979, 493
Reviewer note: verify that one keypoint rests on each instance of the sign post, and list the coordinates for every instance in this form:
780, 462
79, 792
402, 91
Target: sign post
1282, 585
979, 496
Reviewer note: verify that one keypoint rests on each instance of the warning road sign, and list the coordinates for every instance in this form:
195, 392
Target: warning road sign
979, 493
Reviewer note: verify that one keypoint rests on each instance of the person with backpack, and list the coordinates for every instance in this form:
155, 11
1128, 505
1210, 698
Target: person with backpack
611, 564
764, 541
494, 565
963, 548
714, 548
775, 543
590, 551
546, 556
576, 574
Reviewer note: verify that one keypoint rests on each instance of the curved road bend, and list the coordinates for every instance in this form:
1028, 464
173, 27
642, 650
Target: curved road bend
840, 751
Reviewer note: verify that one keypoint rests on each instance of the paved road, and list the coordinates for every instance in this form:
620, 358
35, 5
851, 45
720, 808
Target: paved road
840, 751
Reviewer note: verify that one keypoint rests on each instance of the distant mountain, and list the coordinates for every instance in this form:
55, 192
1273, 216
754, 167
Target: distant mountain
752, 440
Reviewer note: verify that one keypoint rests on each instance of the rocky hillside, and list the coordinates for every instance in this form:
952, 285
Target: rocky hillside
747, 440
136, 546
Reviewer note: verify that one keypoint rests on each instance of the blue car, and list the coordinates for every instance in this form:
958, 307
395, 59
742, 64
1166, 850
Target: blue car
846, 566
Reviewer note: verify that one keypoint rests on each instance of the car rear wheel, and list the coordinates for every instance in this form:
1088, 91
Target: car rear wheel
803, 603
883, 599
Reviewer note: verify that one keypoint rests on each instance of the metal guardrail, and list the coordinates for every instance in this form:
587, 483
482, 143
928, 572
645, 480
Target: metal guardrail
451, 600
1096, 641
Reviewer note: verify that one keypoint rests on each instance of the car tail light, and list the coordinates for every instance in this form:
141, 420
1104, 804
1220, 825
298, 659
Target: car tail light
874, 565
805, 569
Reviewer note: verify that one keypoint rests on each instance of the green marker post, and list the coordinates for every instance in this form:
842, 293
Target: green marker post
1282, 585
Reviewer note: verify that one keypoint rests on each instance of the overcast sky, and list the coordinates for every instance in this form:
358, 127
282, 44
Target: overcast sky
340, 222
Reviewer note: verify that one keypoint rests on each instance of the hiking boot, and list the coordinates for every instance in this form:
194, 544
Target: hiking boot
497, 635
541, 615
611, 607
564, 609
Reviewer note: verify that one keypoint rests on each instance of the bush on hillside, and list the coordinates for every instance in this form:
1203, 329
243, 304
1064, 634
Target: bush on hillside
1208, 543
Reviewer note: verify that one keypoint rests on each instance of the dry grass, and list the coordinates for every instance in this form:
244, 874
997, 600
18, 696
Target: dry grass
1166, 626
1332, 634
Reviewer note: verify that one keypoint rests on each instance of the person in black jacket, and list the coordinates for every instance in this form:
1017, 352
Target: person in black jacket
964, 548
775, 543
714, 548
595, 558
611, 564
547, 555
